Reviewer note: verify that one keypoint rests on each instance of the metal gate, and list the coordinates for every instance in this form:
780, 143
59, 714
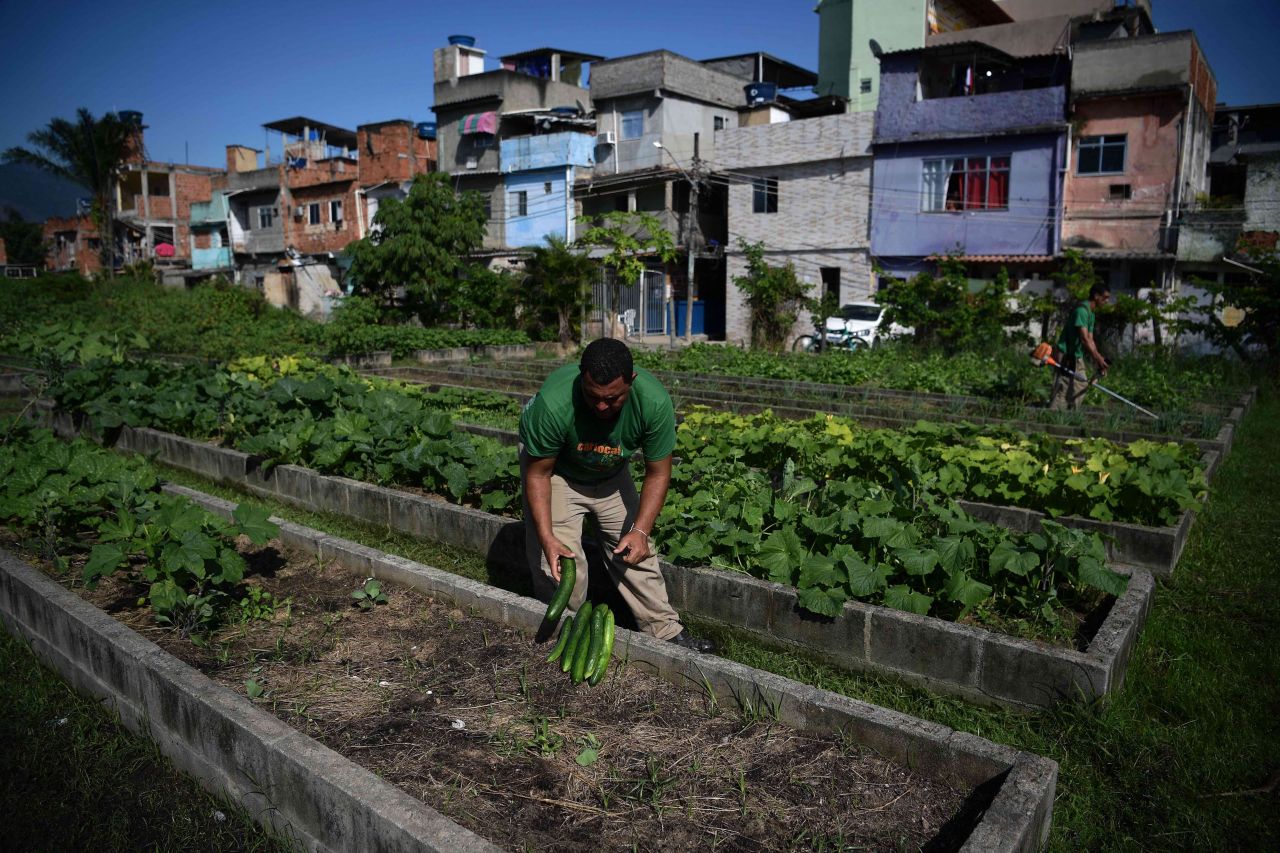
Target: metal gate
641, 308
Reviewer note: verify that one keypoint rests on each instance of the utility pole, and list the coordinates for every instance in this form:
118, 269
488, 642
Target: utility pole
690, 230
693, 220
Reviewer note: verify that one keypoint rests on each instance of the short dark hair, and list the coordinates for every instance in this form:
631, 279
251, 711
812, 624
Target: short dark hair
605, 359
1098, 289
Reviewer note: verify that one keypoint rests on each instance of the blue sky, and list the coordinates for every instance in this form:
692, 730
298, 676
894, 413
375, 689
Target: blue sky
206, 75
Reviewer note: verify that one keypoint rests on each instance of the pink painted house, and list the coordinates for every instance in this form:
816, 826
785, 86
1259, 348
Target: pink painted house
1141, 115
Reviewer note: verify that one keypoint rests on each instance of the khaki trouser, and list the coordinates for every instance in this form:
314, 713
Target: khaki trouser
612, 504
1067, 391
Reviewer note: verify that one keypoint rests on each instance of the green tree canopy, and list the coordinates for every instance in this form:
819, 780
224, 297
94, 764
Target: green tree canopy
630, 236
556, 288
945, 311
422, 244
23, 241
88, 151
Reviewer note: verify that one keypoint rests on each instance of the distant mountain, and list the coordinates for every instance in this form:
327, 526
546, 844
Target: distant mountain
35, 194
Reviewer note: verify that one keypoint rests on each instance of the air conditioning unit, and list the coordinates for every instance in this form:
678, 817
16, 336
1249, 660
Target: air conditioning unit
299, 211
606, 137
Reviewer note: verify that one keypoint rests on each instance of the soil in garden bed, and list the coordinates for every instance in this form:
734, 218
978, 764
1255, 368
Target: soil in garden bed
466, 714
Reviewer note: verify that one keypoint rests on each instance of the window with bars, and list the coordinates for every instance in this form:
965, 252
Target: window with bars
764, 195
1102, 155
335, 211
313, 213
518, 203
966, 183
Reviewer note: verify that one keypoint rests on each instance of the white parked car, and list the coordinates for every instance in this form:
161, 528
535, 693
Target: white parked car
857, 325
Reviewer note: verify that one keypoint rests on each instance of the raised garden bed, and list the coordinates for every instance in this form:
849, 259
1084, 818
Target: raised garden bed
972, 662
1129, 546
823, 399
397, 717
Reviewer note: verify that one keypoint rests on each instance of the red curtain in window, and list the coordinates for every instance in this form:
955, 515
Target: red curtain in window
975, 184
998, 183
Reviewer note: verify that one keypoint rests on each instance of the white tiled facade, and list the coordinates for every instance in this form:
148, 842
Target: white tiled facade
823, 171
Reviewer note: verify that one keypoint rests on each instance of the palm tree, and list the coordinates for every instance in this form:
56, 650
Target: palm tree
88, 151
558, 282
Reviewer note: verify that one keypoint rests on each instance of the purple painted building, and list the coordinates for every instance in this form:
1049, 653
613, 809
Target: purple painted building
970, 148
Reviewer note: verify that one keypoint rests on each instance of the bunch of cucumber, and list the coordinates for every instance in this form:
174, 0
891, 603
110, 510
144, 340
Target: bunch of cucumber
586, 638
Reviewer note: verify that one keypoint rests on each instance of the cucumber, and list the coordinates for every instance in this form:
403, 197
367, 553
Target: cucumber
587, 665
606, 651
581, 623
568, 577
563, 641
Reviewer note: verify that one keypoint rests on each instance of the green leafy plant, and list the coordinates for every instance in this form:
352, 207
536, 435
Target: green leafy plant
369, 595
776, 296
945, 311
419, 244
183, 556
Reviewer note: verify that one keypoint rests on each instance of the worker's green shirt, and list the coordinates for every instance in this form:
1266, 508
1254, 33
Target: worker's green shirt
558, 422
1071, 342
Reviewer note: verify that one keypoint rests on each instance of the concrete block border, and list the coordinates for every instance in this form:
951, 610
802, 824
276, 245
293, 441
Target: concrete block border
289, 782
1017, 819
970, 662
13, 383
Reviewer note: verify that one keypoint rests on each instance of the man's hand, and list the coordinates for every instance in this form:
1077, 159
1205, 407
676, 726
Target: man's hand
553, 549
633, 547
1103, 367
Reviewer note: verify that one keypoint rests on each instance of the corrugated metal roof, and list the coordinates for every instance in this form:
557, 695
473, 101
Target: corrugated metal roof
1038, 37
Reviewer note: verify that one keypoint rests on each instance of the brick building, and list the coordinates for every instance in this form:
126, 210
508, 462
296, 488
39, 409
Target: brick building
803, 189
74, 245
390, 153
283, 220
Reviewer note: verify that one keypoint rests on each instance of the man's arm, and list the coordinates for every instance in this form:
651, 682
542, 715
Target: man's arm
537, 491
634, 546
1086, 338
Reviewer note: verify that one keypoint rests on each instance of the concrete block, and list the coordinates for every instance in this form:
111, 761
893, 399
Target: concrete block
1034, 675
930, 648
367, 502
293, 484
329, 494
430, 356
1113, 643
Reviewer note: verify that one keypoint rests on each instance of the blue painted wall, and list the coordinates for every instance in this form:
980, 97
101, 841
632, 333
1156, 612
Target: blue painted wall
902, 118
547, 210
901, 233
211, 259
537, 165
524, 153
212, 212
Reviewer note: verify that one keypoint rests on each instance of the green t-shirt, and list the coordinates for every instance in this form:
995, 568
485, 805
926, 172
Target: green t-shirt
557, 422
1071, 342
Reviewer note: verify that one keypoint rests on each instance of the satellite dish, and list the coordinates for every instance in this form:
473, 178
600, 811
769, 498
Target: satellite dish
876, 50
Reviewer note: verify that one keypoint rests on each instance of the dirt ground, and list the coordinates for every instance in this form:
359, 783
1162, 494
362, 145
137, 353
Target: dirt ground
466, 715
